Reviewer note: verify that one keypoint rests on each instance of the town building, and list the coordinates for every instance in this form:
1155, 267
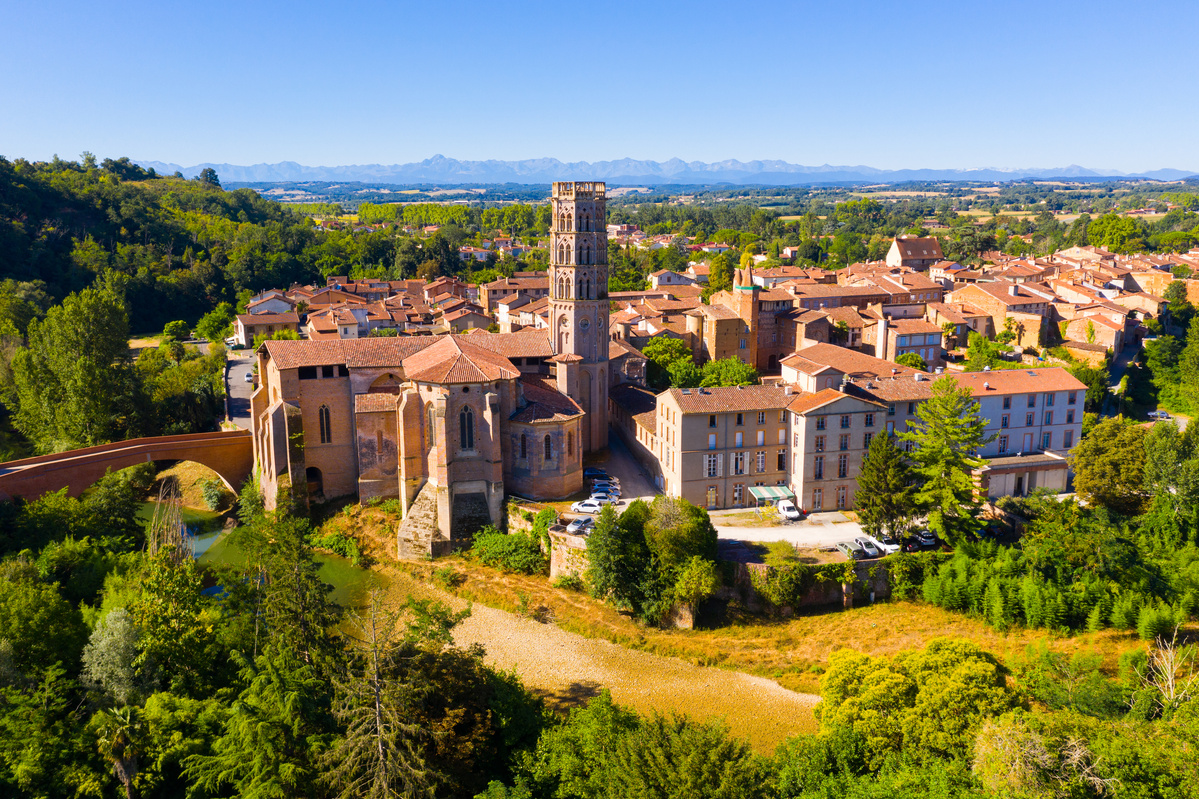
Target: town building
447, 424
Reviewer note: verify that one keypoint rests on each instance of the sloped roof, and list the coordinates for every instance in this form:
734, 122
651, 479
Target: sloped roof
919, 248
454, 359
544, 402
810, 402
730, 398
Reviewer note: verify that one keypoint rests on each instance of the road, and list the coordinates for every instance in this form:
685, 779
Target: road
817, 530
236, 367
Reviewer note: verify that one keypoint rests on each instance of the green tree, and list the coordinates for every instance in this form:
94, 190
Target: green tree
379, 755
885, 499
272, 740
665, 354
617, 555
217, 324
912, 360
209, 177
73, 382
946, 441
728, 372
177, 330
1188, 366
1109, 466
1097, 381
119, 734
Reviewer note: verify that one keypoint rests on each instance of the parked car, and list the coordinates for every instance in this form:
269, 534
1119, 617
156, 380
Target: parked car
593, 471
249, 377
1159, 415
586, 506
788, 510
231, 341
581, 525
604, 498
600, 487
926, 539
910, 545
867, 546
850, 551
881, 546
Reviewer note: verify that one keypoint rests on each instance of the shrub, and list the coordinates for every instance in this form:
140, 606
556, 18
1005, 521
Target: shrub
448, 577
569, 582
336, 543
782, 586
518, 552
1155, 621
213, 491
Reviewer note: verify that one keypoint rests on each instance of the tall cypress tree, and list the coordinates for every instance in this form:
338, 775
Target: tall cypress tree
885, 499
946, 442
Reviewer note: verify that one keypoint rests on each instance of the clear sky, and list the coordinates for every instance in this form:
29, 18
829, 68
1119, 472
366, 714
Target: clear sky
1037, 83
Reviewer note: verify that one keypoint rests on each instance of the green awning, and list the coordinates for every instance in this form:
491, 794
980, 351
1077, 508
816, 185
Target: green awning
772, 493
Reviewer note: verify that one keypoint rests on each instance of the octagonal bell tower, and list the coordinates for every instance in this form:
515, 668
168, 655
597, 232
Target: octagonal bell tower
579, 302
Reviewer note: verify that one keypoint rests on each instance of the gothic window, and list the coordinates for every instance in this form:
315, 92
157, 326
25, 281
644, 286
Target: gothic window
326, 427
524, 446
585, 254
569, 221
570, 444
549, 448
466, 429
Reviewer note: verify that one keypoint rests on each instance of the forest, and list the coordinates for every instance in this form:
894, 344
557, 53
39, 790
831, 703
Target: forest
127, 670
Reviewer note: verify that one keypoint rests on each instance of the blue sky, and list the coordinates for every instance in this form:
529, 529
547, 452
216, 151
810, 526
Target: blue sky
885, 84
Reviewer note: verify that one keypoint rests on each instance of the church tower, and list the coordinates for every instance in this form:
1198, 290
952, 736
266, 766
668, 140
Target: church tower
579, 302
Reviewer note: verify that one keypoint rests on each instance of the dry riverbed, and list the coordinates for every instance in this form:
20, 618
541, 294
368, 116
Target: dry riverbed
567, 669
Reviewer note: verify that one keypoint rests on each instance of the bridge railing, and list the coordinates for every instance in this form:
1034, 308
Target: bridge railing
186, 438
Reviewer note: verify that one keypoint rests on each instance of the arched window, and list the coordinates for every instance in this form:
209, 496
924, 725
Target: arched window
570, 444
570, 221
326, 426
585, 253
524, 446
549, 448
466, 429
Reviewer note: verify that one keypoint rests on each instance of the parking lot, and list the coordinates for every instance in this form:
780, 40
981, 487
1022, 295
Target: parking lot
815, 531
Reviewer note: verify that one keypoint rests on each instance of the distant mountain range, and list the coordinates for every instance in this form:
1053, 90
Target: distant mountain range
627, 171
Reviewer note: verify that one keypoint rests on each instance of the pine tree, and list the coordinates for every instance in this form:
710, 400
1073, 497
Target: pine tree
884, 499
947, 439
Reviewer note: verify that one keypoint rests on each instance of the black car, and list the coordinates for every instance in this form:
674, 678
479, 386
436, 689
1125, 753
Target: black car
592, 472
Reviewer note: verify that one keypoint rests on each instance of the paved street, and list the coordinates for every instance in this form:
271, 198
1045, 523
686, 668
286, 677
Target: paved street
239, 362
817, 530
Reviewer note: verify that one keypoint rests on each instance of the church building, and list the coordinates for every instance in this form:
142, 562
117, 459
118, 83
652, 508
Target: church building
449, 424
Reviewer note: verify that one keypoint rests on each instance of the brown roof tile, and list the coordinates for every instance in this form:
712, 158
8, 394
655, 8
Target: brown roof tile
724, 399
544, 402
454, 360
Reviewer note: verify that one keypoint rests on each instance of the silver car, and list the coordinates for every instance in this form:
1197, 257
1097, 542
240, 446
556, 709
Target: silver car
867, 546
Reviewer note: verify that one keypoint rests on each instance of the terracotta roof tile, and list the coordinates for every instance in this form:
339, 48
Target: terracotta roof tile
544, 402
724, 399
367, 403
454, 360
249, 320
638, 402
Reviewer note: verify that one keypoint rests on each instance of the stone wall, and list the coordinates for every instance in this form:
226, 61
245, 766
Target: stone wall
568, 553
822, 594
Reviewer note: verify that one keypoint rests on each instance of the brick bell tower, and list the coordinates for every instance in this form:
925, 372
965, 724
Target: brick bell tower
579, 302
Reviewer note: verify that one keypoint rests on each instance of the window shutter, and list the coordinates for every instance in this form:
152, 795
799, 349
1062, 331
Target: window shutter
720, 466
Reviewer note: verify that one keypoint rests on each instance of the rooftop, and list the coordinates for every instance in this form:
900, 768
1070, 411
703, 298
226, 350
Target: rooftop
734, 398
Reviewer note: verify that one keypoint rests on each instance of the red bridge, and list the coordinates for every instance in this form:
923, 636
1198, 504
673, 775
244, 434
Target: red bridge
229, 454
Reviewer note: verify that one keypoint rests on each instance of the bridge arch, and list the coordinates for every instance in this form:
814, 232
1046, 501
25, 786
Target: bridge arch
229, 454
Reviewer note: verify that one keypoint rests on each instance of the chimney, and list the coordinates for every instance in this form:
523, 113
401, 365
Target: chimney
787, 390
880, 340
1012, 290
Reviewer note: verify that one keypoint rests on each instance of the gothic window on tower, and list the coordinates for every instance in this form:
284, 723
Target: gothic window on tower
549, 449
524, 446
326, 426
466, 428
